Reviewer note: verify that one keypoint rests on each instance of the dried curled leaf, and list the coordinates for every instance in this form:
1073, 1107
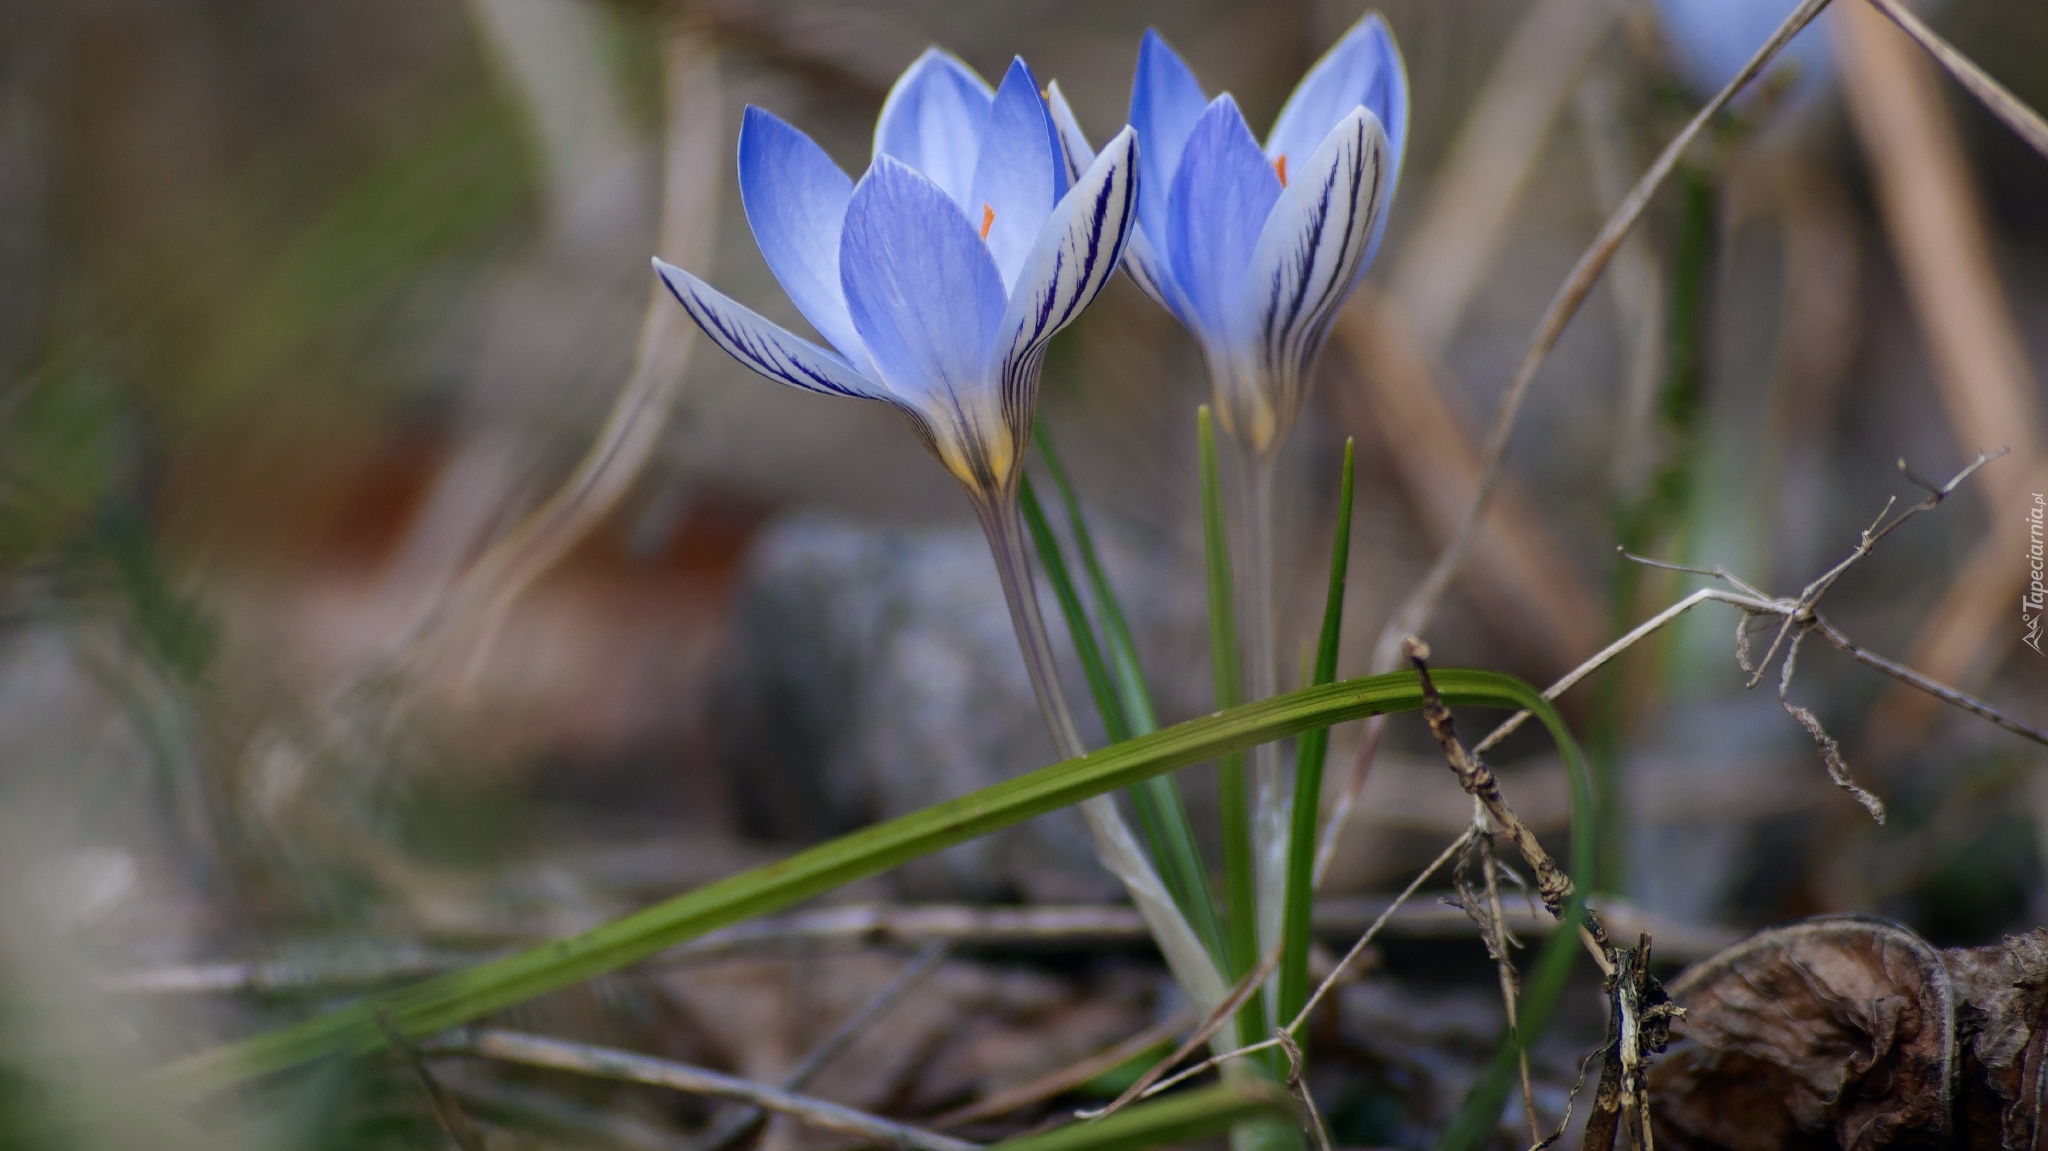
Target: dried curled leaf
2001, 1024
1830, 1033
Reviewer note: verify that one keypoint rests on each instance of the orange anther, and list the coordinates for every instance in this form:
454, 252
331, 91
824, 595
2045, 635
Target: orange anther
1280, 166
988, 219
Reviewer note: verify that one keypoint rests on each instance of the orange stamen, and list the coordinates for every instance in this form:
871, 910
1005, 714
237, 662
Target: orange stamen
1280, 166
988, 219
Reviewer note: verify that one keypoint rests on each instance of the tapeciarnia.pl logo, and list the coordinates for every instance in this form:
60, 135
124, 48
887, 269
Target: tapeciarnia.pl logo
2035, 597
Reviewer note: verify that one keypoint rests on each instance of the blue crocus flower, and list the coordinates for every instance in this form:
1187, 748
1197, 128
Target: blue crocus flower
1255, 248
939, 277
937, 281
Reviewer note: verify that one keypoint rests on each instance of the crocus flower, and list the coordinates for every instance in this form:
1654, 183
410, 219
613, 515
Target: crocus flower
937, 281
1254, 249
939, 277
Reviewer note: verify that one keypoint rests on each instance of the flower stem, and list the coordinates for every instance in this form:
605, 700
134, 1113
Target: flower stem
1115, 846
1272, 788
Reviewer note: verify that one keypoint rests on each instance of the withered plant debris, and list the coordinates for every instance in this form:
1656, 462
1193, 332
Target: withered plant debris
1854, 1033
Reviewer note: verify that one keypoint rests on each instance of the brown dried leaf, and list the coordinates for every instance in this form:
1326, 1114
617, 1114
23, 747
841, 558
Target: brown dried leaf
1835, 1032
2001, 1024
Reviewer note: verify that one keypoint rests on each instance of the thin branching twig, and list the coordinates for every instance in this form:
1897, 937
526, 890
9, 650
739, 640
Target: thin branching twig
1797, 617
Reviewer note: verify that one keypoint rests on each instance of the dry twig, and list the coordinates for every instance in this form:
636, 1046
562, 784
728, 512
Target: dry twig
736, 1125
2024, 121
447, 1110
625, 1066
1063, 1080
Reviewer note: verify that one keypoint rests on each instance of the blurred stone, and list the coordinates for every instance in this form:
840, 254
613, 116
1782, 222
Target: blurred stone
874, 672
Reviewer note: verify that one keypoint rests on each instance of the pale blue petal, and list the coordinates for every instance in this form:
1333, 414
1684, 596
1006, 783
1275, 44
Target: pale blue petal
795, 198
1166, 100
1150, 272
1311, 251
1068, 266
933, 121
1073, 142
924, 294
761, 345
1020, 174
1361, 69
1221, 197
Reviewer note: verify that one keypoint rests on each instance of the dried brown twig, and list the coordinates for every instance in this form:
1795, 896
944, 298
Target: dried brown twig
625, 1066
737, 1125
1640, 1012
2023, 120
1157, 1080
1063, 1080
1799, 616
448, 1112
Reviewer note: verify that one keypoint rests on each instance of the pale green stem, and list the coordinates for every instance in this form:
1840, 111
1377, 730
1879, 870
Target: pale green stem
1272, 787
1115, 846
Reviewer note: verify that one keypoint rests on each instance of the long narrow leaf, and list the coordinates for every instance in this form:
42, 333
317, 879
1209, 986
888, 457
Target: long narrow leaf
1183, 1117
1054, 561
1240, 884
1116, 627
1178, 848
1161, 815
462, 996
1308, 773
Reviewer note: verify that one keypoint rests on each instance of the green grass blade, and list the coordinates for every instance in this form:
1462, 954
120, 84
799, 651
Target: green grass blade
1308, 773
462, 996
1183, 1117
1116, 628
1240, 885
1161, 815
1054, 562
1174, 835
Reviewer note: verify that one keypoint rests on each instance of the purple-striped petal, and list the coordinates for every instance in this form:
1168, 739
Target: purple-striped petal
1072, 260
795, 198
1020, 174
1361, 69
933, 121
1074, 145
1220, 199
1311, 251
924, 294
761, 345
1166, 100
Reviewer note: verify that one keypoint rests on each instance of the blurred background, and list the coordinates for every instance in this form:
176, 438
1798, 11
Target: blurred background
388, 576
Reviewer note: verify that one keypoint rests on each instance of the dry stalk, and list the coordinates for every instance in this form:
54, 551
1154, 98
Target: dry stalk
1421, 605
2024, 121
1156, 1080
448, 1112
1223, 1013
735, 1126
625, 1066
1063, 1080
1798, 616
